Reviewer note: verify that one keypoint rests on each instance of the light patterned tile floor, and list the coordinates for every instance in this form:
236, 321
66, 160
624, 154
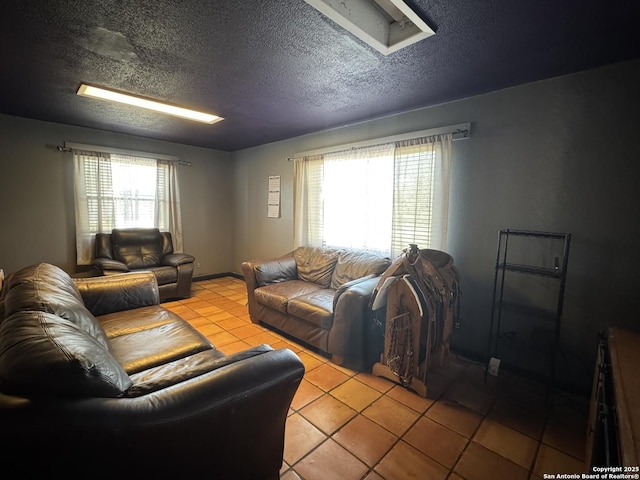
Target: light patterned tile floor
346, 424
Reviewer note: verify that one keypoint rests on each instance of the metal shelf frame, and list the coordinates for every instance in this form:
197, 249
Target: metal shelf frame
557, 272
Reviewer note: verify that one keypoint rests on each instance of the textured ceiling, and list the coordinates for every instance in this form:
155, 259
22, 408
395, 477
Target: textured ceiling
277, 69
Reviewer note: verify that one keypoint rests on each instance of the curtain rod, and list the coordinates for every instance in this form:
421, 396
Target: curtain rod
72, 147
459, 132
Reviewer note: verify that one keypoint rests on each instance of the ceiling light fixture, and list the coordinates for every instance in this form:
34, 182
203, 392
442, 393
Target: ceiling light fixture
386, 25
136, 101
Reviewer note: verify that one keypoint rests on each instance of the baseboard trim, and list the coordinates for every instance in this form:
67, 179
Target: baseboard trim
210, 276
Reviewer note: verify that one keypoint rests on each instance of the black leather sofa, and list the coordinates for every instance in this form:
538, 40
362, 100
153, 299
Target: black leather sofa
135, 249
97, 380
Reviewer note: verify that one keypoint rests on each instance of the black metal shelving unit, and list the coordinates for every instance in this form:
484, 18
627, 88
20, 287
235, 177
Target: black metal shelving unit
528, 295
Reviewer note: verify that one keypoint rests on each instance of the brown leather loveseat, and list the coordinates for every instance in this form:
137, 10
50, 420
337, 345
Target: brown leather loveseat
97, 380
134, 249
317, 295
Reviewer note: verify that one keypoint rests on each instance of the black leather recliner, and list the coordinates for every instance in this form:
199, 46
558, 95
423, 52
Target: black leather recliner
136, 249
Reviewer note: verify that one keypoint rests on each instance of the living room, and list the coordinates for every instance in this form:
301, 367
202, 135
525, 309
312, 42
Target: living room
534, 161
555, 154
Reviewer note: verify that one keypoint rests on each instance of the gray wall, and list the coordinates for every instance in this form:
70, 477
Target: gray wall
36, 193
556, 155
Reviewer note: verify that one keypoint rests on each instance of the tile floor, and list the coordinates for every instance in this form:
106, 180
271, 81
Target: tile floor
346, 424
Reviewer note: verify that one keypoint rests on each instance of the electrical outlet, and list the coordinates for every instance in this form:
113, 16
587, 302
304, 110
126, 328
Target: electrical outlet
197, 264
494, 366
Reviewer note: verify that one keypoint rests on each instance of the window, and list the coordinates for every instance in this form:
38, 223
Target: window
361, 178
114, 190
379, 198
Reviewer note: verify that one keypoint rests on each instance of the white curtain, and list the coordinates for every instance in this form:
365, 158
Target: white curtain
358, 198
123, 191
421, 193
379, 198
169, 209
308, 214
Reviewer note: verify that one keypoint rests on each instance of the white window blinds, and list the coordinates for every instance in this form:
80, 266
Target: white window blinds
421, 192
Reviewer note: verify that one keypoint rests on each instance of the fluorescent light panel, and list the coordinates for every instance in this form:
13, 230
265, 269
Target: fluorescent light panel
119, 97
386, 25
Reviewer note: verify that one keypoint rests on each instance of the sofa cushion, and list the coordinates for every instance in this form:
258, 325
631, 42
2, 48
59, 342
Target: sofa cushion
315, 307
125, 322
278, 295
351, 265
186, 368
48, 288
150, 347
137, 247
41, 353
316, 264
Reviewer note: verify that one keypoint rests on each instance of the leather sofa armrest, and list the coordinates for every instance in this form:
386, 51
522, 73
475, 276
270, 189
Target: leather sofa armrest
175, 259
249, 275
351, 315
250, 281
204, 425
275, 270
345, 286
114, 293
258, 273
110, 264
